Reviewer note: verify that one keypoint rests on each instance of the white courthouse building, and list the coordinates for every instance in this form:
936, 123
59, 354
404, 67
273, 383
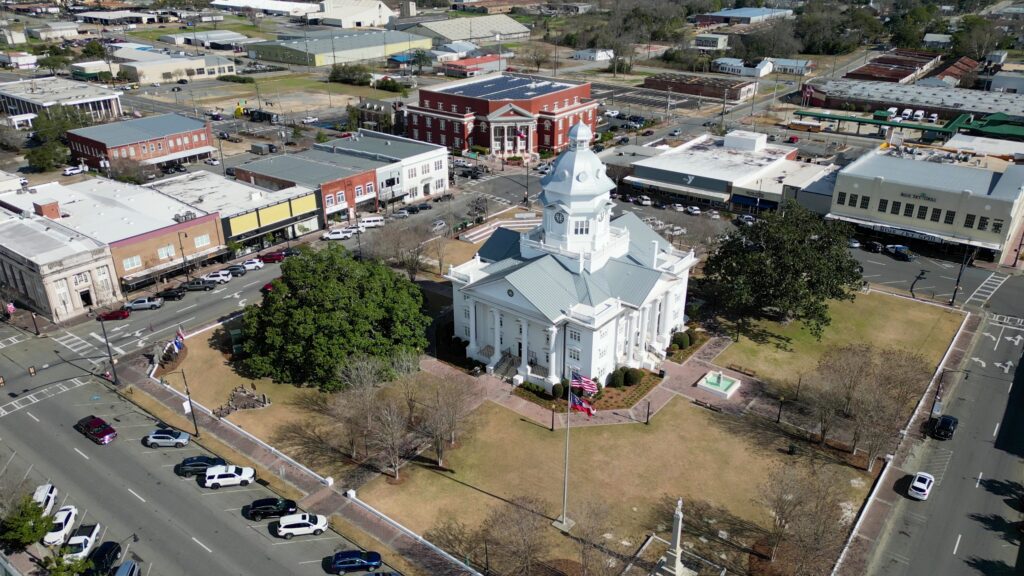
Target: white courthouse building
583, 291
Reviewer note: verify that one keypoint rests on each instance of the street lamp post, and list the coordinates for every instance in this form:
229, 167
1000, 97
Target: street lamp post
938, 389
188, 396
184, 258
110, 355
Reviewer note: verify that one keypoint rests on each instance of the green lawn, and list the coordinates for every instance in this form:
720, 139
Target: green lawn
875, 318
272, 86
685, 452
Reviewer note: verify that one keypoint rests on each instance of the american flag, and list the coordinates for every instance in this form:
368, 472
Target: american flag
580, 405
580, 381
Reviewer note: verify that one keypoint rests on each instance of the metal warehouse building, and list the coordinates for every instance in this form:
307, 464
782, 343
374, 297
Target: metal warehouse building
342, 47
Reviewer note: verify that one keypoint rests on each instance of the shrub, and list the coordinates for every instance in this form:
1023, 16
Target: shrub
236, 79
681, 339
389, 85
615, 379
557, 391
674, 347
480, 149
633, 376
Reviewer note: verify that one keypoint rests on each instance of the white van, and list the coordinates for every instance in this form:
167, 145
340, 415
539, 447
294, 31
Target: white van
919, 115
371, 221
893, 112
907, 113
933, 118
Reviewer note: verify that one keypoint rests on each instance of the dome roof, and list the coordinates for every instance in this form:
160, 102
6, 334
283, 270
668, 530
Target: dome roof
577, 172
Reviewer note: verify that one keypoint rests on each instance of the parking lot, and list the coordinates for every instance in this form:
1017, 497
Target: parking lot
132, 491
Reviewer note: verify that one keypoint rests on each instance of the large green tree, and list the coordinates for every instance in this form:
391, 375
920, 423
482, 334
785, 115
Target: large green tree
24, 525
328, 307
93, 49
47, 156
788, 265
61, 564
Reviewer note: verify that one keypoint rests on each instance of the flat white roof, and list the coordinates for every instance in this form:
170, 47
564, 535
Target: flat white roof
708, 157
105, 210
42, 240
215, 193
51, 90
784, 173
982, 146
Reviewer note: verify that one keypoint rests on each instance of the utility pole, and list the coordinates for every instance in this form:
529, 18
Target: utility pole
110, 355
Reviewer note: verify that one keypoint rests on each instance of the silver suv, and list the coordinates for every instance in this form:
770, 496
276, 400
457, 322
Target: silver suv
165, 438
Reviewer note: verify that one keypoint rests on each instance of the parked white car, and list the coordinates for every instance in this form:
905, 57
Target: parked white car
217, 476
355, 229
336, 234
678, 207
310, 119
645, 201
82, 542
253, 264
400, 214
72, 170
45, 496
220, 277
921, 486
438, 226
612, 113
212, 161
693, 210
301, 525
63, 521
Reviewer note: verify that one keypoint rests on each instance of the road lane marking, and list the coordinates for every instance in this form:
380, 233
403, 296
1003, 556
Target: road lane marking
996, 431
201, 544
250, 284
957, 545
876, 262
186, 308
136, 495
310, 562
31, 416
82, 454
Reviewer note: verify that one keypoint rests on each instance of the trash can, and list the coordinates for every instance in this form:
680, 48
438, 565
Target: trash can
792, 450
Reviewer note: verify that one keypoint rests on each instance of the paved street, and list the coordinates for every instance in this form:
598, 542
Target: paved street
183, 529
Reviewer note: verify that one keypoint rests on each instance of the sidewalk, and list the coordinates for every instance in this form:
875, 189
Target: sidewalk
317, 496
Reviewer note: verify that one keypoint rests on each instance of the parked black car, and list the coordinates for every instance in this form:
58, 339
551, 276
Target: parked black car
103, 558
412, 209
876, 247
271, 508
198, 284
945, 427
291, 251
180, 168
598, 148
424, 206
175, 293
197, 465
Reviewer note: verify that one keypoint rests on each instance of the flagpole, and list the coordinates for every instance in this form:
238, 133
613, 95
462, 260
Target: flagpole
564, 523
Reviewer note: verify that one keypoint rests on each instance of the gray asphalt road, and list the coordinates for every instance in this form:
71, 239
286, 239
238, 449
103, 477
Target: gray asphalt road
970, 524
927, 277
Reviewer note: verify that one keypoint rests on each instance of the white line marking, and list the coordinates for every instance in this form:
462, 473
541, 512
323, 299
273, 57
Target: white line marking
996, 431
136, 495
186, 308
957, 546
82, 454
207, 549
310, 562
877, 263
31, 416
250, 284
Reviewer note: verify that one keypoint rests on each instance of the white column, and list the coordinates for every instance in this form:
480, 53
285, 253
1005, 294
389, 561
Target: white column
495, 318
667, 321
627, 345
554, 374
472, 326
524, 325
645, 314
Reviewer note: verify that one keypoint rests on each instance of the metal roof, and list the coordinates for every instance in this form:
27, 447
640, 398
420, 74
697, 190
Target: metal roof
475, 27
139, 130
51, 90
926, 97
345, 40
939, 176
215, 193
503, 87
209, 36
378, 146
751, 12
312, 168
41, 240
503, 244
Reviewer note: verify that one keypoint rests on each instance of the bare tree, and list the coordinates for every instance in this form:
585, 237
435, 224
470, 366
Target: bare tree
827, 401
818, 530
313, 442
402, 247
516, 535
446, 406
906, 374
782, 494
847, 367
456, 537
881, 422
592, 522
361, 371
438, 249
406, 362
538, 55
389, 432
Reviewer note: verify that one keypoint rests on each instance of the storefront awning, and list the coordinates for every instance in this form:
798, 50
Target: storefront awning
912, 233
179, 155
676, 189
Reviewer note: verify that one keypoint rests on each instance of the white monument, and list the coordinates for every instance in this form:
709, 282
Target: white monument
672, 562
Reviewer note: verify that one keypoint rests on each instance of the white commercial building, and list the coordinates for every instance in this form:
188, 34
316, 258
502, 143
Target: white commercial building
423, 166
275, 7
53, 269
205, 38
18, 60
23, 100
594, 55
739, 67
117, 17
353, 13
582, 292
929, 196
168, 69
711, 42
55, 31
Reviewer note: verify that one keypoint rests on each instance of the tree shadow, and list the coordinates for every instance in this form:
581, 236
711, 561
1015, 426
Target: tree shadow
766, 434
991, 567
1011, 490
1010, 531
705, 524
756, 333
434, 469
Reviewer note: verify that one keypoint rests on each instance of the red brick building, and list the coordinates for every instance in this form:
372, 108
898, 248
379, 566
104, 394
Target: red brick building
509, 115
155, 141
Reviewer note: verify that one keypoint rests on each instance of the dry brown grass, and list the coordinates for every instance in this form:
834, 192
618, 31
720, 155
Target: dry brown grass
211, 379
685, 452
